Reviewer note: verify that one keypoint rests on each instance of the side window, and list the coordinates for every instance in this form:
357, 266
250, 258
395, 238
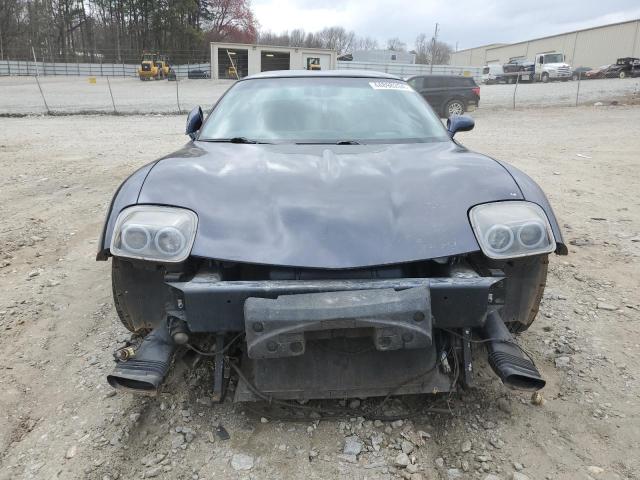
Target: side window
416, 83
394, 57
435, 82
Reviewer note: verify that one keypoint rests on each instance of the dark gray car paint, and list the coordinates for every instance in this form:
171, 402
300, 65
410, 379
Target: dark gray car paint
532, 192
326, 206
126, 195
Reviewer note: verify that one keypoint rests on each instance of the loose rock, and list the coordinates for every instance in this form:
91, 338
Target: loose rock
562, 362
402, 460
240, 461
593, 470
607, 306
71, 452
407, 447
352, 445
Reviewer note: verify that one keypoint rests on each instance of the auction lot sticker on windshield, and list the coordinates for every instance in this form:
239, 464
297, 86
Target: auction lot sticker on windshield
389, 86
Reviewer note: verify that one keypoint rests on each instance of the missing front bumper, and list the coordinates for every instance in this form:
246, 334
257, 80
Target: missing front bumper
393, 319
339, 338
209, 304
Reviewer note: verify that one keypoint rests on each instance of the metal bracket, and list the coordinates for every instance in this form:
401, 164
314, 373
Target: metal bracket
218, 371
467, 365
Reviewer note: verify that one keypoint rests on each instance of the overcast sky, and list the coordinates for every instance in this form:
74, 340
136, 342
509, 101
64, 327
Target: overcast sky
469, 22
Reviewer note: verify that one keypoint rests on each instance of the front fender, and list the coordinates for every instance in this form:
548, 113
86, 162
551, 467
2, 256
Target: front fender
126, 195
532, 192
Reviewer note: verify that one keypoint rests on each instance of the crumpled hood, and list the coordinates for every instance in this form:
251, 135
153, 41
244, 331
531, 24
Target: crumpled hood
326, 206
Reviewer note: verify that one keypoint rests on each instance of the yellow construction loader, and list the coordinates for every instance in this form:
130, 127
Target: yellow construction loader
152, 67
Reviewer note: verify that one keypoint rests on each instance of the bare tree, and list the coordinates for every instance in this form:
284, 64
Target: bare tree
297, 38
396, 45
430, 52
337, 38
365, 43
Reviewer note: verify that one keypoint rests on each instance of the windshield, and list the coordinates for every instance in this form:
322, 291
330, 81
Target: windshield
554, 58
323, 110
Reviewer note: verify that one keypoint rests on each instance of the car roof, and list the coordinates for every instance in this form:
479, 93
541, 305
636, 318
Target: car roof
437, 76
322, 73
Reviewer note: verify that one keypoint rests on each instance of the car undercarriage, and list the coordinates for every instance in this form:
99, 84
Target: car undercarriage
311, 333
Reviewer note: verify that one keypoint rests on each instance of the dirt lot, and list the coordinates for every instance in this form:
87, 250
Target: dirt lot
59, 418
20, 95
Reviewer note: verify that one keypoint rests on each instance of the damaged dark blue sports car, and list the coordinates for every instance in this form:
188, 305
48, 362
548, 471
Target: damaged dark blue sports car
322, 235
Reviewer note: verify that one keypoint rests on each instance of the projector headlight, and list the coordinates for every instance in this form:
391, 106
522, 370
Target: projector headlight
512, 229
149, 232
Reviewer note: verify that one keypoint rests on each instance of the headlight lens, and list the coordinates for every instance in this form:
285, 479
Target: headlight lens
149, 232
512, 229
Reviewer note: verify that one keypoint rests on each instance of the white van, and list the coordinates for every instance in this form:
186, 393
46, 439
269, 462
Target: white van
492, 73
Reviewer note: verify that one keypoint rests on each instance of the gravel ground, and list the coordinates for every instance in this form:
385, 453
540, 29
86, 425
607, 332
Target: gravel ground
20, 95
59, 418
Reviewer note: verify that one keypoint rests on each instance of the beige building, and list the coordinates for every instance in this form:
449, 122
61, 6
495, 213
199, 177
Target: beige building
238, 60
589, 47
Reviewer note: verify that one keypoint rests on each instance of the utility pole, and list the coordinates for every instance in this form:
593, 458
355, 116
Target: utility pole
433, 47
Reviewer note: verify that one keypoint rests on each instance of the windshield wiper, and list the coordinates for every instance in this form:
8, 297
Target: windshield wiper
232, 140
339, 142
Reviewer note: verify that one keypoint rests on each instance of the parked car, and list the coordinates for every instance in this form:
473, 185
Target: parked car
492, 73
635, 69
598, 72
519, 69
622, 68
327, 239
198, 73
579, 73
447, 94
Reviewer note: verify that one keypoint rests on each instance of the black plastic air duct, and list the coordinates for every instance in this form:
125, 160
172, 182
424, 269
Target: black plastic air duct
507, 360
145, 370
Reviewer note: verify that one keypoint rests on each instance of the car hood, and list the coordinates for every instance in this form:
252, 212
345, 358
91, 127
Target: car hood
320, 206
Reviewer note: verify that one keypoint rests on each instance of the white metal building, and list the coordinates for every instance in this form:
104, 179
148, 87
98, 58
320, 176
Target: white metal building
383, 56
238, 60
590, 47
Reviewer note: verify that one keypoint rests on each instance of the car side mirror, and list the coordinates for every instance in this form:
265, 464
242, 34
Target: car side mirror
194, 122
459, 123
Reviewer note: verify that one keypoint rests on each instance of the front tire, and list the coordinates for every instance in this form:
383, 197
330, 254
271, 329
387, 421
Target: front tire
545, 78
526, 281
139, 295
622, 75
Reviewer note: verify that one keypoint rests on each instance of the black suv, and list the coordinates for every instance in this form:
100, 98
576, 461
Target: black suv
447, 94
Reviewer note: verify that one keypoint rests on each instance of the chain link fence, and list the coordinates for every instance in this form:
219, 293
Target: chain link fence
406, 70
22, 95
40, 88
29, 68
